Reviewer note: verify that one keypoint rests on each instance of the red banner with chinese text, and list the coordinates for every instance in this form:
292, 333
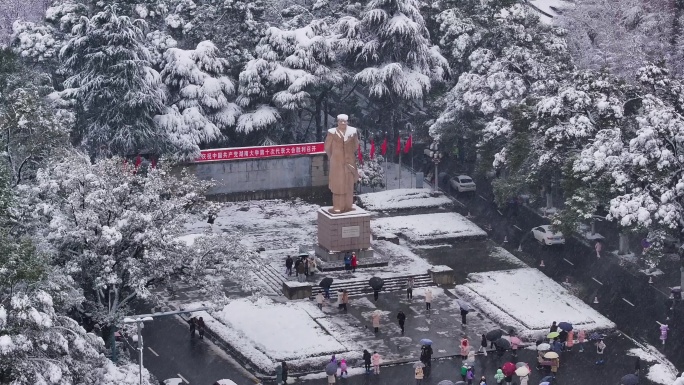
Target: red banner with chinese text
259, 152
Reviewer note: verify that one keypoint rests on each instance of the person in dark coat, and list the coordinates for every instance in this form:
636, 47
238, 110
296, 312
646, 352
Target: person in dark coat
288, 265
562, 337
347, 262
300, 267
193, 325
367, 361
637, 366
554, 327
376, 293
483, 345
200, 327
426, 355
284, 365
401, 317
297, 263
464, 313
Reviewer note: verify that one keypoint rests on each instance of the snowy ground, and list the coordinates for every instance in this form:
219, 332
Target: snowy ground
426, 228
404, 198
529, 301
661, 371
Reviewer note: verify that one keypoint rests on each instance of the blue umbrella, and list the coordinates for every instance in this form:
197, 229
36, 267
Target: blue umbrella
567, 326
425, 341
546, 380
595, 336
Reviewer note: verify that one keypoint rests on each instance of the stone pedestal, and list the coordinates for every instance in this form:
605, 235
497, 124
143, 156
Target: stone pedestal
341, 233
296, 290
442, 275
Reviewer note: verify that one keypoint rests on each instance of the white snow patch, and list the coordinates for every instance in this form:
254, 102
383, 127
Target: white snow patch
429, 227
402, 198
189, 239
529, 301
661, 374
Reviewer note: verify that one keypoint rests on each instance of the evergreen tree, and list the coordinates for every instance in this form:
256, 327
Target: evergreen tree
117, 91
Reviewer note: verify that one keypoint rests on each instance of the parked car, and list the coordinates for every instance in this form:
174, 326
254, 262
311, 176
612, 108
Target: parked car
546, 236
463, 183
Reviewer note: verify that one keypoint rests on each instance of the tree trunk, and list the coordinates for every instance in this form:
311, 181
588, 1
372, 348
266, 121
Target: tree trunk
623, 244
549, 200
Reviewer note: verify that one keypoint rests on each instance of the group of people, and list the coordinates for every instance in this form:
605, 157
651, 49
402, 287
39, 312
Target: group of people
197, 324
302, 267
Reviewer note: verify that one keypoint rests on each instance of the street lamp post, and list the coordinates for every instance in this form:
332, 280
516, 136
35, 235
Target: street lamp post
139, 322
436, 156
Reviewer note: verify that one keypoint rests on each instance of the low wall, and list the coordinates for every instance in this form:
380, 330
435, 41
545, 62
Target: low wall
269, 178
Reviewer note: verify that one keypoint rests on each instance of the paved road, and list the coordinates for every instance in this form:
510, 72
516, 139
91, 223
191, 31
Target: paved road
628, 300
576, 368
170, 352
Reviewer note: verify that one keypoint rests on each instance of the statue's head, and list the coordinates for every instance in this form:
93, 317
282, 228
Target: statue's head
342, 121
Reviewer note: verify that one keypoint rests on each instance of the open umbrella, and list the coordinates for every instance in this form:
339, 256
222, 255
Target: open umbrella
419, 365
550, 355
326, 282
464, 305
508, 369
547, 379
520, 364
503, 343
567, 326
494, 335
445, 382
595, 337
515, 340
425, 341
543, 347
630, 379
522, 371
331, 368
552, 335
376, 283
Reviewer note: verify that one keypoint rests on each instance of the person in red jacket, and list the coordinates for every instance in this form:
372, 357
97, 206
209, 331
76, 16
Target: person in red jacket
354, 262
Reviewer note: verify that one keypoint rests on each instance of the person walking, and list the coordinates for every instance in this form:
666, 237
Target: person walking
553, 328
376, 293
326, 292
483, 345
343, 368
464, 313
288, 265
285, 370
663, 332
279, 375
300, 267
419, 374
428, 298
331, 379
555, 364
319, 300
401, 318
367, 361
483, 380
193, 325
345, 299
514, 346
200, 327
464, 371
637, 366
354, 262
465, 348
375, 319
524, 380
470, 374
599, 247
296, 267
581, 335
409, 288
570, 341
499, 376
377, 360
347, 263
426, 355
305, 262
311, 263
600, 349
339, 299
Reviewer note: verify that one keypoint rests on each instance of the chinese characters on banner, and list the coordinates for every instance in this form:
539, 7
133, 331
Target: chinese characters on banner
260, 152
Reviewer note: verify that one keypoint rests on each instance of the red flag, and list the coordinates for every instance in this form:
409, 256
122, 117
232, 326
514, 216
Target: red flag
360, 155
383, 147
372, 152
138, 161
407, 146
398, 145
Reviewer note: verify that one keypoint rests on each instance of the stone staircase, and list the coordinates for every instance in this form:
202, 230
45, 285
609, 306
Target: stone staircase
360, 286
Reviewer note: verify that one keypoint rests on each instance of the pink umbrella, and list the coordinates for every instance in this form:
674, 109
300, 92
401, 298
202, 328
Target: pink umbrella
515, 340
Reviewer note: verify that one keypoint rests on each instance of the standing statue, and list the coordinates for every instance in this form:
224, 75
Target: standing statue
340, 145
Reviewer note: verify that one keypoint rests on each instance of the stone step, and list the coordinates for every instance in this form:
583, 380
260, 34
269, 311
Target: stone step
361, 287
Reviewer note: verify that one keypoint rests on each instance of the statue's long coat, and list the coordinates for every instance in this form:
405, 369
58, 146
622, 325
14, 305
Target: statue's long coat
342, 159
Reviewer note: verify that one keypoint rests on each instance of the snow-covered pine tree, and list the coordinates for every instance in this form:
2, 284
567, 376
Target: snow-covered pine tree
303, 67
118, 93
392, 47
202, 95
